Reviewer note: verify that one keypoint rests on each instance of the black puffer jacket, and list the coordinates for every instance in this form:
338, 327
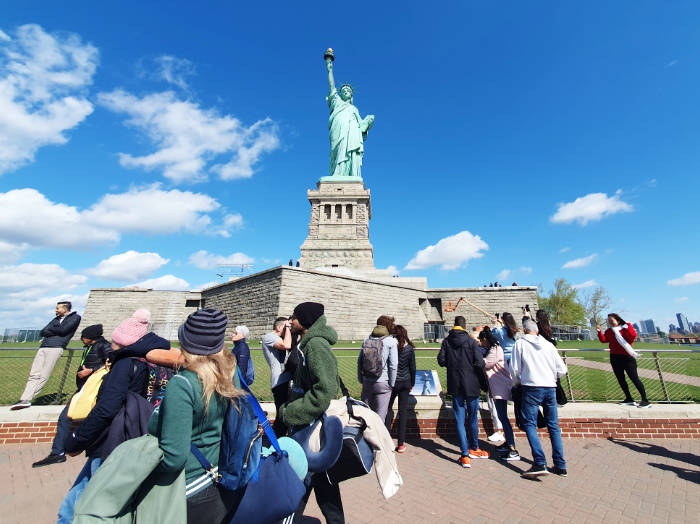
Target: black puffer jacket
57, 334
406, 370
94, 358
460, 354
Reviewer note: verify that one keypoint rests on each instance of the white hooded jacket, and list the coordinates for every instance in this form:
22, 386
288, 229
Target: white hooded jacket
536, 362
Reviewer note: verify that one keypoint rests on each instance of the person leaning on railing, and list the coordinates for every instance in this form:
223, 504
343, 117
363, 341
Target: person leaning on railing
623, 358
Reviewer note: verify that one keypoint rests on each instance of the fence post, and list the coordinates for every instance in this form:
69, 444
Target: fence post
568, 379
661, 376
59, 395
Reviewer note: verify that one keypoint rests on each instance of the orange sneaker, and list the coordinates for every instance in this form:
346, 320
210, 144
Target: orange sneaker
401, 448
478, 454
464, 462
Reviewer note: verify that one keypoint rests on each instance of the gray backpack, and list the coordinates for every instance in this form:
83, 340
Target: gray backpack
372, 362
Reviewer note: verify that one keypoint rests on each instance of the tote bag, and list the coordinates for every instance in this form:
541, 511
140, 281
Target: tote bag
84, 400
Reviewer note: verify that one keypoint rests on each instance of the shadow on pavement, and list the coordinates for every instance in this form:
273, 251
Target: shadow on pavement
659, 451
683, 473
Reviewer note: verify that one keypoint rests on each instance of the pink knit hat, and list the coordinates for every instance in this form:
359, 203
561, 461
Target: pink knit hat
132, 329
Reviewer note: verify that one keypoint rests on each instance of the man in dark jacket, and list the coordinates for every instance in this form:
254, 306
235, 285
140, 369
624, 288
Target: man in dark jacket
461, 355
93, 358
57, 334
315, 385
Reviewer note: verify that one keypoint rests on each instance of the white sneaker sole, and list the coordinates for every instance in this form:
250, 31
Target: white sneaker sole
535, 474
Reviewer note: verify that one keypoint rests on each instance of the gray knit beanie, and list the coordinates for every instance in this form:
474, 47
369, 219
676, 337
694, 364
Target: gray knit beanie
204, 332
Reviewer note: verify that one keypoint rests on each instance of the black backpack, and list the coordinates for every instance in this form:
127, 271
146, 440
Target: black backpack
372, 362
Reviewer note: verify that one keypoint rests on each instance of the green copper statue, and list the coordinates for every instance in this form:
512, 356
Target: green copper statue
346, 129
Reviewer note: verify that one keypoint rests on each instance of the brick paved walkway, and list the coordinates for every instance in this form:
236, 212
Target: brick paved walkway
633, 481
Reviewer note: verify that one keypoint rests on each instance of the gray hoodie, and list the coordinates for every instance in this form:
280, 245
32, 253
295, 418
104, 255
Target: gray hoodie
536, 362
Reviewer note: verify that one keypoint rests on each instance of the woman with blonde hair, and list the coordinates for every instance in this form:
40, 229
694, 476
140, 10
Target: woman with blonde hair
193, 412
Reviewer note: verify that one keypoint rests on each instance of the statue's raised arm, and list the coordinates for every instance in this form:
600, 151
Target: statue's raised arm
347, 130
329, 57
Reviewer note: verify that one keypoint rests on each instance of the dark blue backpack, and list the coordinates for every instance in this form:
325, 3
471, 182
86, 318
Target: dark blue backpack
241, 445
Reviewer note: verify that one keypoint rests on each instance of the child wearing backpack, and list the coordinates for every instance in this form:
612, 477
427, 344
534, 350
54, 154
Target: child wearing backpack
193, 412
377, 364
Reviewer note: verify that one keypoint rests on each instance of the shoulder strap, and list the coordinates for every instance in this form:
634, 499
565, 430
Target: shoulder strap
208, 466
262, 418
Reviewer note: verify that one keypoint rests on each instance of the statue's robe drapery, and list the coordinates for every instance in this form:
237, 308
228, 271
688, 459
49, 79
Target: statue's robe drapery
346, 137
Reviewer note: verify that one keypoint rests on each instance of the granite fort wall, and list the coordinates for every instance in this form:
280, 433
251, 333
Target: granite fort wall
352, 304
491, 299
109, 306
252, 301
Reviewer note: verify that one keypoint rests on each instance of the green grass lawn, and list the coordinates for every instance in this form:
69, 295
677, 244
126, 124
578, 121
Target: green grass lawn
588, 384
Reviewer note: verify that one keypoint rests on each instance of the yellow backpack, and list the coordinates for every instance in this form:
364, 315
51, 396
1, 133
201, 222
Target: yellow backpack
84, 400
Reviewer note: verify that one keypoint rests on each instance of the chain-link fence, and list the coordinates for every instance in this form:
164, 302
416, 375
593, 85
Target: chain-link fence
668, 376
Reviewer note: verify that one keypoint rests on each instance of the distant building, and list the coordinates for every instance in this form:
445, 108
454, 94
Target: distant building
637, 328
672, 328
696, 327
648, 326
683, 324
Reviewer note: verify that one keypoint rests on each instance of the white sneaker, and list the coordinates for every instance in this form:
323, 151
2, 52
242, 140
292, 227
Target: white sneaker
627, 403
22, 404
496, 437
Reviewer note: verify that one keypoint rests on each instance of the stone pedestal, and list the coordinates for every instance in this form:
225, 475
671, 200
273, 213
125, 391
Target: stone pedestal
339, 227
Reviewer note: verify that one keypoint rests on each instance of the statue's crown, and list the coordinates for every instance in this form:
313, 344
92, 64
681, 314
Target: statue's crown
348, 84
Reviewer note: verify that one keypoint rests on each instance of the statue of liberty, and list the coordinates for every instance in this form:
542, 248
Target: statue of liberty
347, 130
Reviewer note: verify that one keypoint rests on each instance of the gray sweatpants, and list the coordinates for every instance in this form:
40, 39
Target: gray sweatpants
377, 396
44, 362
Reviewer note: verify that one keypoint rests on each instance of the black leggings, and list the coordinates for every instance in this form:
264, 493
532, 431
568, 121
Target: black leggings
401, 390
624, 363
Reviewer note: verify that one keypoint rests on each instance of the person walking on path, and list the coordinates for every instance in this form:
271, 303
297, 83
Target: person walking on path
536, 365
315, 385
623, 358
241, 351
93, 358
405, 380
376, 366
193, 411
275, 347
500, 385
57, 334
506, 332
461, 355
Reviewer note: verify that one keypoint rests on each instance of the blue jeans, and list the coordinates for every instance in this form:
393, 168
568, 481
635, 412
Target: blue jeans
502, 410
533, 398
65, 512
63, 430
459, 403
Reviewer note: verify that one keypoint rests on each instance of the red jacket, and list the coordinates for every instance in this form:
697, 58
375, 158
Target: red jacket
627, 332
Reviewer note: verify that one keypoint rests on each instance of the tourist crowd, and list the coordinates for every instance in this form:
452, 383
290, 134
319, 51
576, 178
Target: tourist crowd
173, 420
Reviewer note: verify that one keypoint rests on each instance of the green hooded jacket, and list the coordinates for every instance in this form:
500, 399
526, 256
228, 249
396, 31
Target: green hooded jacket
316, 376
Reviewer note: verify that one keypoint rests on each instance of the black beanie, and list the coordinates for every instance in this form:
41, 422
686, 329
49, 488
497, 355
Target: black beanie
204, 332
307, 313
92, 332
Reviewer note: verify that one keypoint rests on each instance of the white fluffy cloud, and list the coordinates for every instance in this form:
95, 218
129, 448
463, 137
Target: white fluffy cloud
127, 266
191, 141
43, 83
586, 284
686, 280
204, 260
450, 252
580, 262
681, 299
29, 292
174, 70
153, 210
11, 253
590, 208
149, 210
393, 271
166, 283
564, 249
504, 274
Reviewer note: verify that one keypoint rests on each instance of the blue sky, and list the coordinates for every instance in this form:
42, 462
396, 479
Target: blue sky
142, 142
